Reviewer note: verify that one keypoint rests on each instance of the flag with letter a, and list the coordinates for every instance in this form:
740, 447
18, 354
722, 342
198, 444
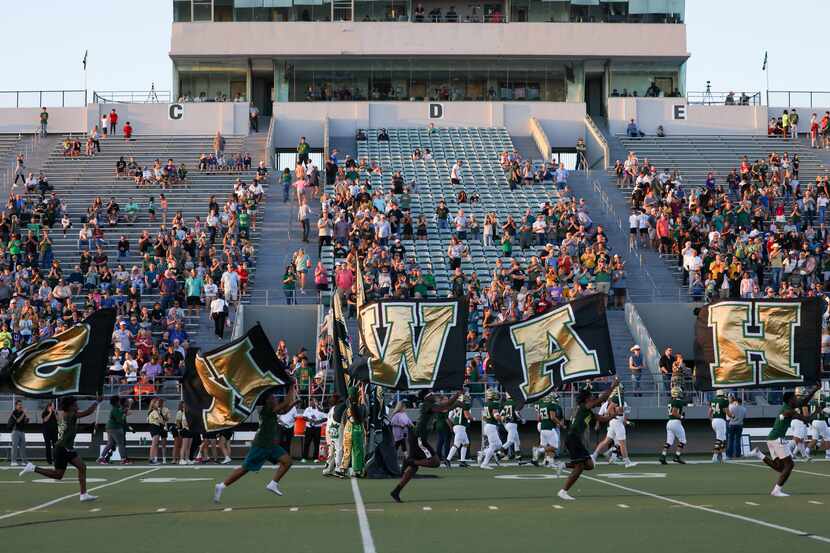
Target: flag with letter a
567, 344
73, 362
222, 387
758, 343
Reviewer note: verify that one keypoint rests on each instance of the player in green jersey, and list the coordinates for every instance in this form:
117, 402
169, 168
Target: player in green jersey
491, 417
820, 433
780, 458
718, 411
265, 445
550, 421
798, 427
583, 418
674, 427
511, 419
65, 453
419, 452
460, 419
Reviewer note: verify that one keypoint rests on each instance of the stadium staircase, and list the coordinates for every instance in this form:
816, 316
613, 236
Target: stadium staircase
78, 181
694, 157
479, 148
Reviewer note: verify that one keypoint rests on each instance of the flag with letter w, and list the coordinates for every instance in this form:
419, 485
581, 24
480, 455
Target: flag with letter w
222, 387
415, 344
73, 362
566, 344
758, 343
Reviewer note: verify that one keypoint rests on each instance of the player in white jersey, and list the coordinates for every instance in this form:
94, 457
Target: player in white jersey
798, 429
490, 418
819, 430
460, 418
616, 434
334, 439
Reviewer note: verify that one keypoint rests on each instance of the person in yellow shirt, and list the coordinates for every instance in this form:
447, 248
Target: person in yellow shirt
717, 267
589, 259
5, 337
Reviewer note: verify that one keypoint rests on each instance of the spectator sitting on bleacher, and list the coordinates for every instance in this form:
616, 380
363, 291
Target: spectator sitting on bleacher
633, 131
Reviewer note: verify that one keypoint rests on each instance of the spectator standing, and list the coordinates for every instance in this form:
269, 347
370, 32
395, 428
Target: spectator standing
17, 426
401, 425
303, 150
253, 114
49, 428
736, 427
635, 366
313, 421
219, 314
666, 362
113, 122
44, 121
794, 123
561, 178
581, 154
219, 145
303, 215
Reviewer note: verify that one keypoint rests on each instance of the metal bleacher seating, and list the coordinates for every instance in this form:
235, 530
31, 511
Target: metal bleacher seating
479, 149
78, 181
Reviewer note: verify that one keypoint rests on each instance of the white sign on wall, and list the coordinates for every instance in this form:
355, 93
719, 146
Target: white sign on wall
679, 112
175, 112
436, 111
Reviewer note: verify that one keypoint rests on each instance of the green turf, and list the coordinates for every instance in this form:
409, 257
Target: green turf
461, 509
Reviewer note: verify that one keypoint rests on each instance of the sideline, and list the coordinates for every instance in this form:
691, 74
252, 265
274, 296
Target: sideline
363, 520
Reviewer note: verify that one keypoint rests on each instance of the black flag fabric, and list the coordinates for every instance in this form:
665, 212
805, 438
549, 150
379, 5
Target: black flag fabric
341, 349
758, 343
567, 344
222, 387
73, 362
414, 344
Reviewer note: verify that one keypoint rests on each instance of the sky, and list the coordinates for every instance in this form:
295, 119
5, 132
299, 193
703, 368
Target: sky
128, 41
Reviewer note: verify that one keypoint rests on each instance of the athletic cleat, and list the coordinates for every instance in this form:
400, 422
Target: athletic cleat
677, 459
340, 474
448, 463
217, 492
274, 487
611, 459
565, 495
663, 460
630, 464
486, 467
225, 461
88, 497
102, 461
463, 464
396, 495
30, 467
126, 462
184, 462
779, 493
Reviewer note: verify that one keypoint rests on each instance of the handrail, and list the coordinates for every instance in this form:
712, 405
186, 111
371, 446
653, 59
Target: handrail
540, 137
600, 138
817, 98
709, 98
269, 140
641, 335
151, 96
45, 103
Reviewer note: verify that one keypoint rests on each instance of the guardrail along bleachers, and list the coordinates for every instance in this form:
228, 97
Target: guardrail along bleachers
8, 150
78, 181
479, 149
695, 156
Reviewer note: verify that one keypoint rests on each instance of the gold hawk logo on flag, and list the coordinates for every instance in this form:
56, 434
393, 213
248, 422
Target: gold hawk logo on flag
400, 351
547, 344
235, 381
754, 345
52, 366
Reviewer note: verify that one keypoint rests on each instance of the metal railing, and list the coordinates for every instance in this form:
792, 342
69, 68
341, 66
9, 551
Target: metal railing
597, 135
42, 98
709, 98
131, 96
798, 98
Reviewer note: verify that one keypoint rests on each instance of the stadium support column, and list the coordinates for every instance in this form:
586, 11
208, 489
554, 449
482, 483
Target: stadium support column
175, 93
249, 80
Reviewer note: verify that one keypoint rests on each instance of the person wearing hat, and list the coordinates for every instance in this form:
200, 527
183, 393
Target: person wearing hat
635, 366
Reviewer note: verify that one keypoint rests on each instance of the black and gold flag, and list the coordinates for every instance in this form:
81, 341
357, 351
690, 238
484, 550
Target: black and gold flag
567, 344
73, 362
413, 344
222, 387
758, 343
341, 349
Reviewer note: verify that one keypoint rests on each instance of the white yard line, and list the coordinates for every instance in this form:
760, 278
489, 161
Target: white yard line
363, 520
712, 511
74, 495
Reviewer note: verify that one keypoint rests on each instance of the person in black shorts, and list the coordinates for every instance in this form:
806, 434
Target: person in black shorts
419, 451
582, 419
224, 441
65, 453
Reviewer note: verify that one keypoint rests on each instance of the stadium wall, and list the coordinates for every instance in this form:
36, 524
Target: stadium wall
670, 324
27, 120
649, 113
296, 324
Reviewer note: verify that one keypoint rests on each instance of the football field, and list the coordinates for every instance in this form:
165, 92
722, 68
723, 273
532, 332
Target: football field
676, 508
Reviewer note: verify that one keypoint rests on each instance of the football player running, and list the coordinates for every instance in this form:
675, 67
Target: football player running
798, 426
460, 419
780, 457
512, 418
490, 418
718, 411
616, 435
674, 427
550, 421
582, 419
820, 414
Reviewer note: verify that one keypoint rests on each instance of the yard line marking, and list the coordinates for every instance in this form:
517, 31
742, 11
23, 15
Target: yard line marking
227, 509
751, 503
558, 507
363, 520
794, 470
70, 496
95, 510
294, 509
815, 502
709, 510
161, 509
493, 508
427, 508
622, 505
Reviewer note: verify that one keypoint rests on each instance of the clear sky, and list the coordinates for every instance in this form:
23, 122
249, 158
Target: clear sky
43, 42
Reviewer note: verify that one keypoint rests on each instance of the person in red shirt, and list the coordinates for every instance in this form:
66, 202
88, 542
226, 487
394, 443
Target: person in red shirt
128, 130
113, 122
243, 276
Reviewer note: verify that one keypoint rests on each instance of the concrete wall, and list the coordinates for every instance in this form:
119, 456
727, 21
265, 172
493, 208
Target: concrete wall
562, 122
651, 112
146, 119
296, 324
27, 120
580, 40
670, 324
